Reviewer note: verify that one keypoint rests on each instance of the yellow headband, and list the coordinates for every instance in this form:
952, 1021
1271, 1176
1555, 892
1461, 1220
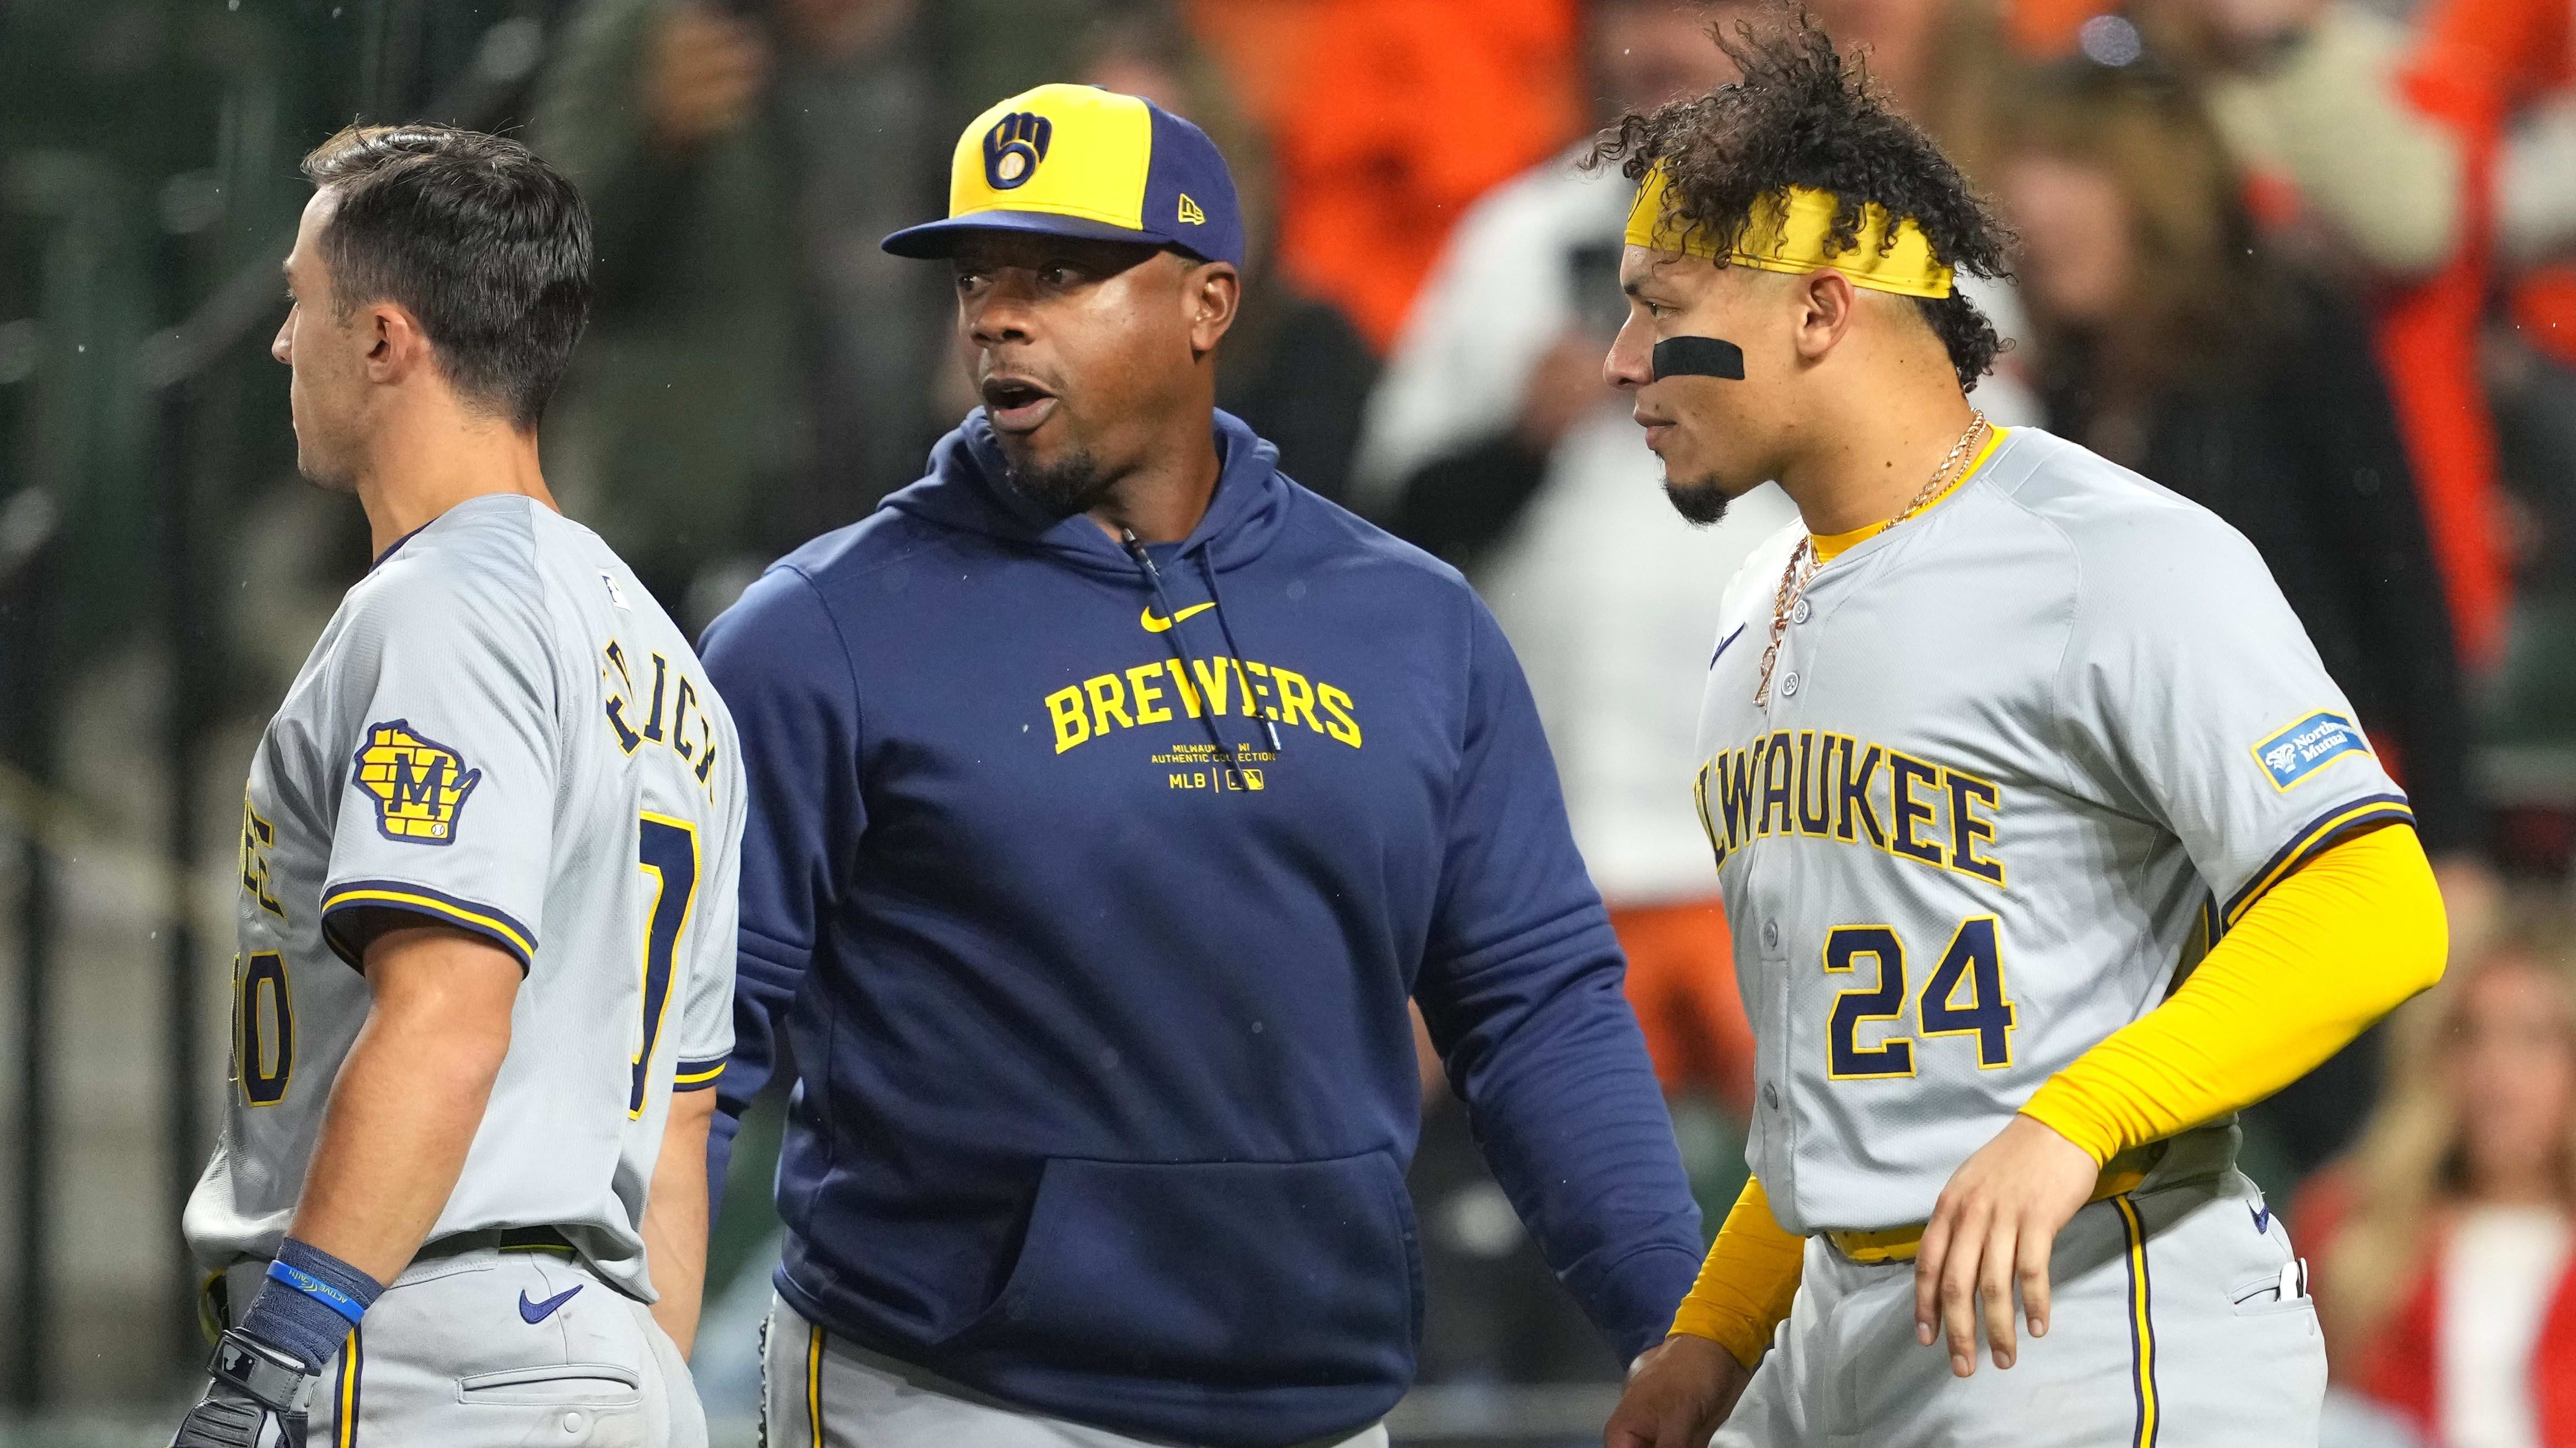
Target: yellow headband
1788, 231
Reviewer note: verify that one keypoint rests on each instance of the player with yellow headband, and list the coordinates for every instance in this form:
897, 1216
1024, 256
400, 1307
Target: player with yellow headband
2046, 841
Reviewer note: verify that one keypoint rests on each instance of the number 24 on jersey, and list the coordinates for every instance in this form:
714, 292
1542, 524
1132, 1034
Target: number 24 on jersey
1972, 967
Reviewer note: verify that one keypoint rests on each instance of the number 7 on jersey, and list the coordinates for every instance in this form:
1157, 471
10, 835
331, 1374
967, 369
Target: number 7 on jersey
667, 850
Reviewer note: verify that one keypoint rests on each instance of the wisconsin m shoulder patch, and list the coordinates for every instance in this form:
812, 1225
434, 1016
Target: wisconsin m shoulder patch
2308, 746
418, 784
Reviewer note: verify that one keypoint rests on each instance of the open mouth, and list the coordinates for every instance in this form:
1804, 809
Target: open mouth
1015, 404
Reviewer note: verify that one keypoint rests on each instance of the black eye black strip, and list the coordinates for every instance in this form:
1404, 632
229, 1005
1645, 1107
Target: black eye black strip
1698, 357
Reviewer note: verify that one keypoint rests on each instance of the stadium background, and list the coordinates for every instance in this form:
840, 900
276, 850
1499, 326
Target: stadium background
2405, 173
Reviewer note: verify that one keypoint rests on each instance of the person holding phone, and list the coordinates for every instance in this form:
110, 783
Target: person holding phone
1492, 441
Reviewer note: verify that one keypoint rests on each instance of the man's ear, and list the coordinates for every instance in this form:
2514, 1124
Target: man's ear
1824, 299
1213, 293
396, 346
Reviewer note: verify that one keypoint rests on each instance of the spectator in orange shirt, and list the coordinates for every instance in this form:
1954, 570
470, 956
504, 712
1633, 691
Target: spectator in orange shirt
2502, 74
1388, 120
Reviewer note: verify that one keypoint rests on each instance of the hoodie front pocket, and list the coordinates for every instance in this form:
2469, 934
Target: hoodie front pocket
1219, 1273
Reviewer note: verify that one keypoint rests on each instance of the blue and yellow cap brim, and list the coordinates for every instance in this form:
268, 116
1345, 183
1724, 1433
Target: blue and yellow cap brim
936, 240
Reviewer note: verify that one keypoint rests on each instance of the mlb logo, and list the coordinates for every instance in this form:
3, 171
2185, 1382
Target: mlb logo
2308, 746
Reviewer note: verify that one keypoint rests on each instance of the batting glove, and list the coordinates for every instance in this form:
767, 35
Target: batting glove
257, 1399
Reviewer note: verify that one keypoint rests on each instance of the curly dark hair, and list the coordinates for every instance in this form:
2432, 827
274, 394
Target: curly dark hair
1802, 116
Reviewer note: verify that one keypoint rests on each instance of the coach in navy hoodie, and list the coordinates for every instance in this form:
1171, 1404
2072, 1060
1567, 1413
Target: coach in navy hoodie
1111, 795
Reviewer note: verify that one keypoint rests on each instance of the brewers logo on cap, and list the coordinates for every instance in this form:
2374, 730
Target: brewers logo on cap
1076, 160
1014, 147
418, 784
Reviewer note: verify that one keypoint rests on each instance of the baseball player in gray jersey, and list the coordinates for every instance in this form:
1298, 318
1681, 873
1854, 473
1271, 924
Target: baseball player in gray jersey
488, 867
2046, 839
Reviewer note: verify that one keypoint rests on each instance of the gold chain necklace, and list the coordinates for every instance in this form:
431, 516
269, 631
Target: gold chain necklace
1803, 562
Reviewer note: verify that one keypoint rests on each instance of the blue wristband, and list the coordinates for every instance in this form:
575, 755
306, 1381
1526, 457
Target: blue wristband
309, 1303
314, 1287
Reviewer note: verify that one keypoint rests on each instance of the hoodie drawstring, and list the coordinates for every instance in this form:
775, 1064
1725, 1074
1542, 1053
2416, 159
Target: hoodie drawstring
1189, 666
1207, 571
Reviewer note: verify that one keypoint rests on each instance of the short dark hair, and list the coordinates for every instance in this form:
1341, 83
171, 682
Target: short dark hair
485, 243
1801, 116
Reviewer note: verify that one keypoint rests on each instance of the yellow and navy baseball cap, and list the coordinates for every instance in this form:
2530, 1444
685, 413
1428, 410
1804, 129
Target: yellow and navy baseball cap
1076, 160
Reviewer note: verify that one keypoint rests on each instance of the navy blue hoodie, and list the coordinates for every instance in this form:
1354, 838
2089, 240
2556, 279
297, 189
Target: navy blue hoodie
1089, 897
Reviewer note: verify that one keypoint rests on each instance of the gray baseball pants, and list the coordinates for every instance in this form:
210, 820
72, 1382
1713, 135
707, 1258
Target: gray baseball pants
824, 1393
486, 1347
2169, 1325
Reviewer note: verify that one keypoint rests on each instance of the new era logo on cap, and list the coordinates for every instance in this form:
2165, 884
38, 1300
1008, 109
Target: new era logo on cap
1076, 160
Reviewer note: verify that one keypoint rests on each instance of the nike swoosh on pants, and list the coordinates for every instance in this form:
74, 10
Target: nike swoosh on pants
533, 1313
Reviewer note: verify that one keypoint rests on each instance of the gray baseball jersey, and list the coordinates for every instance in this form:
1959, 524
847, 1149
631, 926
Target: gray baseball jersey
2025, 756
502, 732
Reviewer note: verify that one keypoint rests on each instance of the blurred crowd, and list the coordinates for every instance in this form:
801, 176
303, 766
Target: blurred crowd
2311, 263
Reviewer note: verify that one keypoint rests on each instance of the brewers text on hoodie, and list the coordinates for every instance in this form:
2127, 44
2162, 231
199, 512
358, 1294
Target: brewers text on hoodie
1088, 885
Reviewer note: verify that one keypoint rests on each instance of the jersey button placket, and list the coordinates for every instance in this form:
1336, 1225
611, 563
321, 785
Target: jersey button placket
1790, 666
1788, 694
1799, 612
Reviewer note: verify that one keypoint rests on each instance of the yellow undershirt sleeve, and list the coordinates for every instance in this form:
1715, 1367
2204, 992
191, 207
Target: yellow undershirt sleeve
2325, 953
2321, 956
1745, 1286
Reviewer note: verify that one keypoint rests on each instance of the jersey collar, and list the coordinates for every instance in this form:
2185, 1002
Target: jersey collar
1830, 544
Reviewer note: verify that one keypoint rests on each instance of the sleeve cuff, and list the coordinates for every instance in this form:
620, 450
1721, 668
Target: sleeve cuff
697, 1075
444, 909
1741, 1339
1747, 1283
2064, 1109
2318, 833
